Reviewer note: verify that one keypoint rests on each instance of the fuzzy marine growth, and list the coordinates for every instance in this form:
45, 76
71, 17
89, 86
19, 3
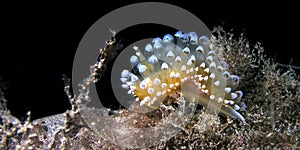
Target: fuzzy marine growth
187, 65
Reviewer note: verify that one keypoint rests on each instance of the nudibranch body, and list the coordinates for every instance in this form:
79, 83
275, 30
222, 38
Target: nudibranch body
187, 65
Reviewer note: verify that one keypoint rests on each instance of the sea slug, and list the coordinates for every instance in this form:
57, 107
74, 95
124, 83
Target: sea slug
183, 63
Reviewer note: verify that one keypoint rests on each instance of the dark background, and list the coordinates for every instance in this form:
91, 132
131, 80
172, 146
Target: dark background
38, 42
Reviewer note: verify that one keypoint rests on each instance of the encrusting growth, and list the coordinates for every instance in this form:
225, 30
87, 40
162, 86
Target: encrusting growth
183, 64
